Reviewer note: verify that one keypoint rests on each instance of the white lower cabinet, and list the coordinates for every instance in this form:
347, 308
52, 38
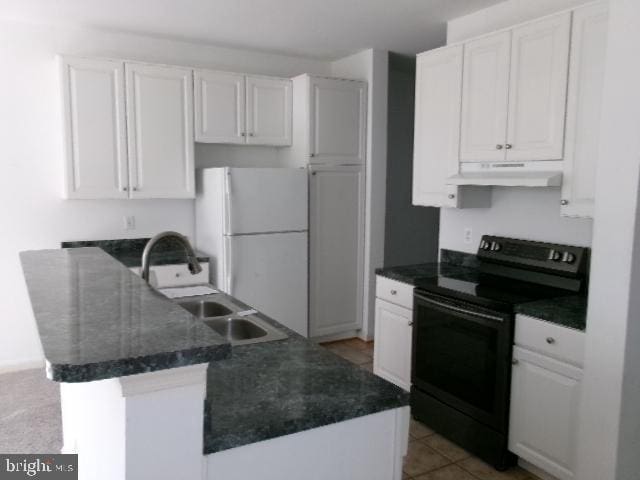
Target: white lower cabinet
392, 347
393, 331
545, 396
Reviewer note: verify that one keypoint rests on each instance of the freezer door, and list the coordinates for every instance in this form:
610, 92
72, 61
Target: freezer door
269, 272
260, 200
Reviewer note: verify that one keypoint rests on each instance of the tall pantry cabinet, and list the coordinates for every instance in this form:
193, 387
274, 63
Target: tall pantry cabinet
329, 137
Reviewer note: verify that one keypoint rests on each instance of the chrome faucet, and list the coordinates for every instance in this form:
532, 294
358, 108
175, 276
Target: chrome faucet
194, 265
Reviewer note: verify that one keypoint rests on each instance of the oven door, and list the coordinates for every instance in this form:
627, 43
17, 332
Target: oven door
462, 357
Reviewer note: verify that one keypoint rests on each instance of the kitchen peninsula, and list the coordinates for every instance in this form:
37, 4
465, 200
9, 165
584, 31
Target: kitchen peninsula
149, 391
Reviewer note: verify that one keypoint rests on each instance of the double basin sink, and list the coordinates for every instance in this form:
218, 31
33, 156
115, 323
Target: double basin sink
221, 314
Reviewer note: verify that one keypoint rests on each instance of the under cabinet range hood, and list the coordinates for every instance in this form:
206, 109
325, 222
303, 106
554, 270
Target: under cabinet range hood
509, 174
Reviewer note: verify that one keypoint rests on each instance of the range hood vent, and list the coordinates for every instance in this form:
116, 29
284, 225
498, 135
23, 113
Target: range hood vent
530, 174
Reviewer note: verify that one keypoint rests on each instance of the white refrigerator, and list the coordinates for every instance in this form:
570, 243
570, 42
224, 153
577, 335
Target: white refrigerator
253, 223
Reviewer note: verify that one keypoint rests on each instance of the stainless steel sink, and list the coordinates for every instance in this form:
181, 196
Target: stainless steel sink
221, 313
205, 308
235, 328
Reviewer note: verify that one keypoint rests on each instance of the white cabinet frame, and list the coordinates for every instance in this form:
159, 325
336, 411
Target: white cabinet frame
584, 106
393, 343
335, 297
179, 183
93, 103
226, 93
234, 108
543, 426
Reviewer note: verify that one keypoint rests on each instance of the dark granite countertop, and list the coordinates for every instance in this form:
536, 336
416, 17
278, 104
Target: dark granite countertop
98, 320
567, 311
410, 274
266, 390
129, 250
570, 311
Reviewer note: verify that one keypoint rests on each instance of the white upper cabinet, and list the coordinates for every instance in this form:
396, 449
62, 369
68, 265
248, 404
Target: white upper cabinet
437, 126
95, 128
437, 132
337, 130
269, 111
514, 93
160, 131
485, 98
538, 89
586, 78
219, 107
241, 109
128, 129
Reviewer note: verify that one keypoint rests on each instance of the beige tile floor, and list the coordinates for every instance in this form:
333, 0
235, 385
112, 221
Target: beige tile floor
430, 456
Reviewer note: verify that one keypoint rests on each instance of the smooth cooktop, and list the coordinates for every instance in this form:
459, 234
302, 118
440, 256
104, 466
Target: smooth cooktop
490, 292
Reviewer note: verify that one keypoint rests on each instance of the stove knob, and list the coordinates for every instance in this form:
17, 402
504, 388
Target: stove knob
495, 247
568, 257
484, 245
554, 255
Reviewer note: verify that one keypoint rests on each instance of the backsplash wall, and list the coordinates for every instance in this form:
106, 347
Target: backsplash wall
527, 213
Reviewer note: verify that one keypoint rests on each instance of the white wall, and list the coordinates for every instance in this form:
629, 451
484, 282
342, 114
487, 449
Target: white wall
609, 436
532, 214
372, 66
527, 213
31, 212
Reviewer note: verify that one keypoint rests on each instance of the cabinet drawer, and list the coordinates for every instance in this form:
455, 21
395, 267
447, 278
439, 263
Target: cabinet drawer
394, 292
555, 341
175, 275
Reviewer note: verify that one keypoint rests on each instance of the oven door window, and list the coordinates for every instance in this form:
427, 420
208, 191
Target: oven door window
458, 358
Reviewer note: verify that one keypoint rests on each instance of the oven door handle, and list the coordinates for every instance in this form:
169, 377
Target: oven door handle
461, 310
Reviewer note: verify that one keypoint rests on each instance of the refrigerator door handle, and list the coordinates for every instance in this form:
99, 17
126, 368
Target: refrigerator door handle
227, 200
228, 265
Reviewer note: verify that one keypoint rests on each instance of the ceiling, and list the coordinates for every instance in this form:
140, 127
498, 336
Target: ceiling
323, 29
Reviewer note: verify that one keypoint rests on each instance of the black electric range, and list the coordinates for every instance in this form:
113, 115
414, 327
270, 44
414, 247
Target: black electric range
463, 338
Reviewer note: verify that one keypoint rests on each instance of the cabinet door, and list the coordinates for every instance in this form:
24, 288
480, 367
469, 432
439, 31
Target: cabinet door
269, 111
538, 89
586, 83
337, 121
94, 124
219, 107
336, 249
485, 93
545, 394
437, 127
160, 131
392, 347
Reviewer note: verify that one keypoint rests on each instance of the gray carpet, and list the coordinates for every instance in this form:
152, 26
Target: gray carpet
29, 413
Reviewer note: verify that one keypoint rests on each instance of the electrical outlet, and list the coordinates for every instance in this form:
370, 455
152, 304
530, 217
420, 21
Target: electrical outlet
468, 235
129, 222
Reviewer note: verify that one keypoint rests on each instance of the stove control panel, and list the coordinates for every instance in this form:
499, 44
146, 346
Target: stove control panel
556, 258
